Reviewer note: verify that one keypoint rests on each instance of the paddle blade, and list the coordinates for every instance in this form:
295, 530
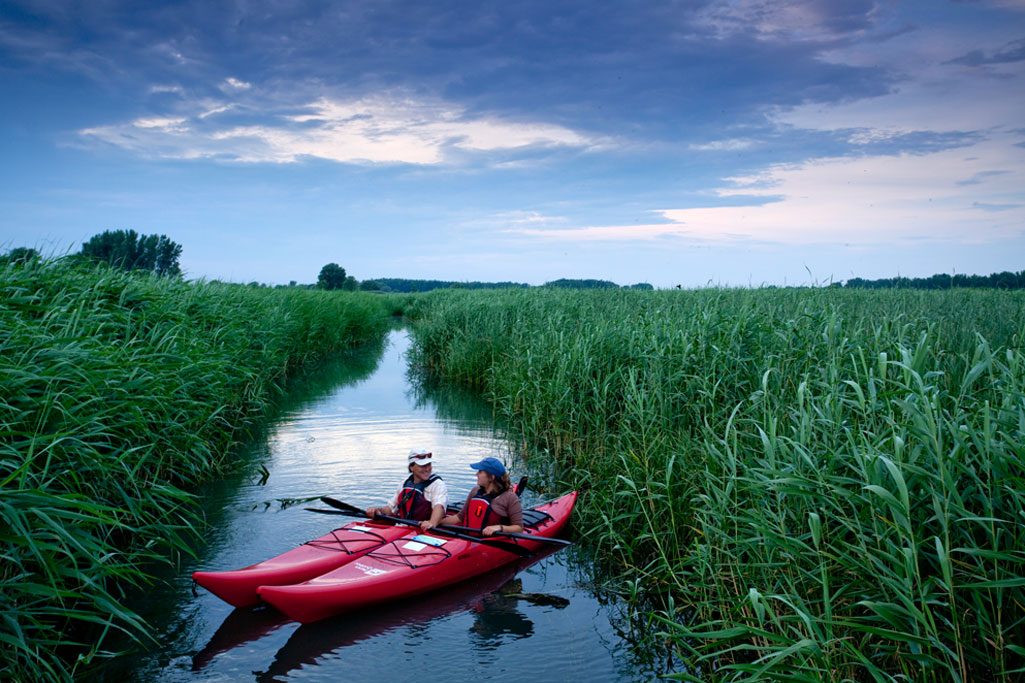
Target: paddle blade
341, 505
329, 512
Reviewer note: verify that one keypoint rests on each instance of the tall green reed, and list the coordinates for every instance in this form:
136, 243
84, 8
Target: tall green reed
122, 391
827, 484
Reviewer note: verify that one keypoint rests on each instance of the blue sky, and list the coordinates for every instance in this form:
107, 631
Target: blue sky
738, 143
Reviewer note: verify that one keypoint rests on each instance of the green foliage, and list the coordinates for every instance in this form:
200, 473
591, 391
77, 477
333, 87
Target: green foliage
828, 483
1002, 280
19, 255
391, 284
127, 250
582, 284
122, 391
332, 276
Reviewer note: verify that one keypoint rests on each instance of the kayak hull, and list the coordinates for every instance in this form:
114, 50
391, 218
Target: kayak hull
406, 567
313, 558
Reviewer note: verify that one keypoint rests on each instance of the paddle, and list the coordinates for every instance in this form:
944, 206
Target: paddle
510, 534
335, 503
345, 508
353, 510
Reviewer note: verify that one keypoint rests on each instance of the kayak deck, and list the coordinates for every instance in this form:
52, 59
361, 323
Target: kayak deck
239, 587
409, 565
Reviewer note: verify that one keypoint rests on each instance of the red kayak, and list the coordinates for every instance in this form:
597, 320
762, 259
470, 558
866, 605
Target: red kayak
413, 564
313, 558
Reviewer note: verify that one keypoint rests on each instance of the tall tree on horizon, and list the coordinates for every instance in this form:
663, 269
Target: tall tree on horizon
127, 250
332, 276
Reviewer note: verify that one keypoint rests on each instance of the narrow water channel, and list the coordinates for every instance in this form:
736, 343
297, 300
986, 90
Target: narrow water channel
345, 432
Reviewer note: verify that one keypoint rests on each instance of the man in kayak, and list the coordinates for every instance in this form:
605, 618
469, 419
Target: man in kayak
422, 497
491, 505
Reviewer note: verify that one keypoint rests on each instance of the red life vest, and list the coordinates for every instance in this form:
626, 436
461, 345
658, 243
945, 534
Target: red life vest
480, 514
413, 504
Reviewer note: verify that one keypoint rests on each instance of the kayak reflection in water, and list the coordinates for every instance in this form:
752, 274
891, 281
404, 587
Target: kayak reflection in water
422, 497
491, 506
491, 598
497, 614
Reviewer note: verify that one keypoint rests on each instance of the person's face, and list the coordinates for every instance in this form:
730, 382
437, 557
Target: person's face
484, 479
420, 472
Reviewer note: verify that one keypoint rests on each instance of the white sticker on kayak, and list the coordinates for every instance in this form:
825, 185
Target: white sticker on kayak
360, 528
369, 571
413, 545
430, 540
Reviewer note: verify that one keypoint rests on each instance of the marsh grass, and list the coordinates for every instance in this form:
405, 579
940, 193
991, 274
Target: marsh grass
121, 392
822, 484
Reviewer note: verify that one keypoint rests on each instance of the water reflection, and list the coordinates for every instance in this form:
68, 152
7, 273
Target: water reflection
244, 625
494, 616
497, 614
450, 403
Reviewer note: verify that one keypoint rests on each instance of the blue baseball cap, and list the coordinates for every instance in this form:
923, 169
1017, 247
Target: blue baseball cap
491, 466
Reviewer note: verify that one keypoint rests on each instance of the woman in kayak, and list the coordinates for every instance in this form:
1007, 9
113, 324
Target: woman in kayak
491, 505
422, 497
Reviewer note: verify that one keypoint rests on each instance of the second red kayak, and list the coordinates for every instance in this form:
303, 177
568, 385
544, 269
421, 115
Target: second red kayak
412, 564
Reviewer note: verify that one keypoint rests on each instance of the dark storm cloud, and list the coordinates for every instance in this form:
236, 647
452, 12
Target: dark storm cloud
1011, 52
634, 69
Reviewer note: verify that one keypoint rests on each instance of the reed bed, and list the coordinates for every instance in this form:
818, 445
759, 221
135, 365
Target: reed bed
121, 392
819, 484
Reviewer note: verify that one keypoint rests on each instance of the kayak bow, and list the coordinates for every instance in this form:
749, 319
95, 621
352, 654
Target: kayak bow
313, 558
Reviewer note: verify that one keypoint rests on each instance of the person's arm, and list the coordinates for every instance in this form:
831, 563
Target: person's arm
457, 518
437, 512
514, 511
437, 496
388, 509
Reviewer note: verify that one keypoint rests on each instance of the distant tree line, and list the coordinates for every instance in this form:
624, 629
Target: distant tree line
593, 284
581, 284
404, 285
1004, 280
128, 250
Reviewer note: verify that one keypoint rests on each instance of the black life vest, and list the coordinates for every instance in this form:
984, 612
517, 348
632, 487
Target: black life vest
480, 514
413, 504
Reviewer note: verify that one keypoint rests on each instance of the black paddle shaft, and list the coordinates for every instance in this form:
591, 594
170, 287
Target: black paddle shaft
440, 530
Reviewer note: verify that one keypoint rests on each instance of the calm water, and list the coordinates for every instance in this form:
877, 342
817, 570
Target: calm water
345, 432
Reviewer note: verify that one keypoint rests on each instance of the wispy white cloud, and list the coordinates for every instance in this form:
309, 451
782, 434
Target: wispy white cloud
1007, 4
526, 218
788, 20
216, 109
235, 84
176, 89
161, 123
867, 200
968, 194
376, 129
730, 145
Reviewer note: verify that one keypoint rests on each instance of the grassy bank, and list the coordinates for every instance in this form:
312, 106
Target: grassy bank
823, 484
120, 393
